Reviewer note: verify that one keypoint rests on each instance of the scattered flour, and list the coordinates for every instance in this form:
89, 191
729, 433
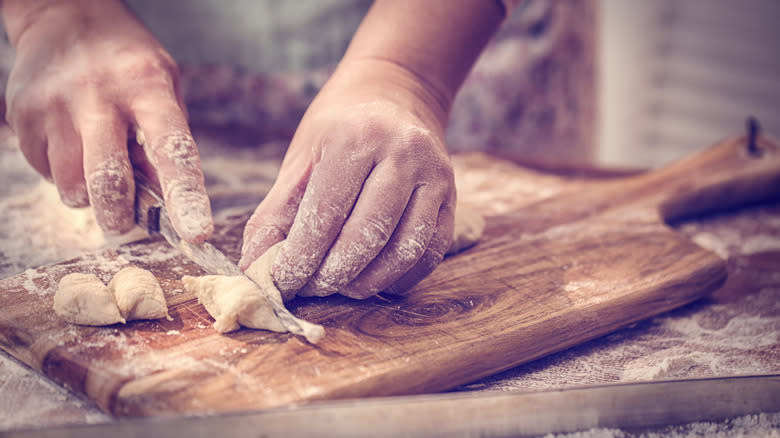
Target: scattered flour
477, 187
44, 399
763, 425
37, 229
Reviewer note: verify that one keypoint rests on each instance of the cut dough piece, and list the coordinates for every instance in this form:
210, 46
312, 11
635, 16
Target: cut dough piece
235, 301
84, 299
138, 294
469, 226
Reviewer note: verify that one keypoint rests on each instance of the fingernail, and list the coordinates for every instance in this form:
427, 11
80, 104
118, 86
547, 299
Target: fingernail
244, 262
190, 212
249, 251
75, 197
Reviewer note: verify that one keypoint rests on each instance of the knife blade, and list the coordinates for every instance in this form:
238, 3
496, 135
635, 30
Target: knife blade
151, 214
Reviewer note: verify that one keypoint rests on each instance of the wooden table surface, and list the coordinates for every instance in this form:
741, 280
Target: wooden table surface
735, 331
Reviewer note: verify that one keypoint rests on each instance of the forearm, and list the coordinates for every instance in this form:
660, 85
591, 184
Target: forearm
436, 41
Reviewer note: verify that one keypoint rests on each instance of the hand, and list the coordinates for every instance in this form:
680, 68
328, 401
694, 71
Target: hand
87, 73
365, 196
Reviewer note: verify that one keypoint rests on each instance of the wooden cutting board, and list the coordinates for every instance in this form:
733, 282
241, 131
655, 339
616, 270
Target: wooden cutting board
592, 258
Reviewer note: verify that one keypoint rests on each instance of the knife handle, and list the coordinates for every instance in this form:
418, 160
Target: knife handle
147, 205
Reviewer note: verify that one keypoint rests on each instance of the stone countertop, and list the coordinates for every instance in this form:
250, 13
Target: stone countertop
734, 331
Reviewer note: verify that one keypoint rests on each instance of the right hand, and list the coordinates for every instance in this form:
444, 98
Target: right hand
365, 198
86, 73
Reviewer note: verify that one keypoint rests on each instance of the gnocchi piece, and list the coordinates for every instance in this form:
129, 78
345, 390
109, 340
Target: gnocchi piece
138, 294
84, 299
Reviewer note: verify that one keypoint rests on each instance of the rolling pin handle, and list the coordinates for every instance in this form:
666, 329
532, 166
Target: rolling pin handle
753, 129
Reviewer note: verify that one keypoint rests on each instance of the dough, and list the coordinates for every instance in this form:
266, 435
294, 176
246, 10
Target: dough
235, 301
133, 293
138, 294
469, 226
84, 299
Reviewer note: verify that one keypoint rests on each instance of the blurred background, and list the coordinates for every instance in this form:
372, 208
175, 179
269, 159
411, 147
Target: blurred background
677, 75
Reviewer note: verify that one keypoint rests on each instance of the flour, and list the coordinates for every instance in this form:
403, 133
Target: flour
497, 187
694, 350
45, 399
758, 233
193, 213
37, 229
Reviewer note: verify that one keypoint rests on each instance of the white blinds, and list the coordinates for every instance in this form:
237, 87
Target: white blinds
679, 75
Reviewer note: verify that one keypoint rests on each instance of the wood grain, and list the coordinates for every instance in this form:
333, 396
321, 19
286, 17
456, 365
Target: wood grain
566, 269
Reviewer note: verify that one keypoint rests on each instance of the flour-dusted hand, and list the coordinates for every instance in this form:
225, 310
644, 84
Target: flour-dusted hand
87, 73
365, 197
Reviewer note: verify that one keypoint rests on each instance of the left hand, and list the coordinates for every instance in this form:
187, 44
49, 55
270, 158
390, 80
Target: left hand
365, 197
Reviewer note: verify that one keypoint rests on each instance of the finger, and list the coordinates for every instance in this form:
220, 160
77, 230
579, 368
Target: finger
329, 197
405, 248
367, 230
173, 153
107, 169
272, 219
434, 253
66, 160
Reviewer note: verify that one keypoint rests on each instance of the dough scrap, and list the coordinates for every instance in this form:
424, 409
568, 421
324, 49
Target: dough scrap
469, 226
84, 299
138, 294
235, 301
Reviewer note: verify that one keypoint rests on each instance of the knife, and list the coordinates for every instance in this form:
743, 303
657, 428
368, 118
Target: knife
150, 213
632, 406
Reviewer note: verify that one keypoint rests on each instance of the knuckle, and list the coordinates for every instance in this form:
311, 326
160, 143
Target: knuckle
148, 66
408, 252
179, 148
29, 102
376, 231
432, 257
323, 287
440, 169
292, 273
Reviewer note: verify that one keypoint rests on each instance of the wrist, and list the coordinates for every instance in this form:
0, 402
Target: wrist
383, 79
